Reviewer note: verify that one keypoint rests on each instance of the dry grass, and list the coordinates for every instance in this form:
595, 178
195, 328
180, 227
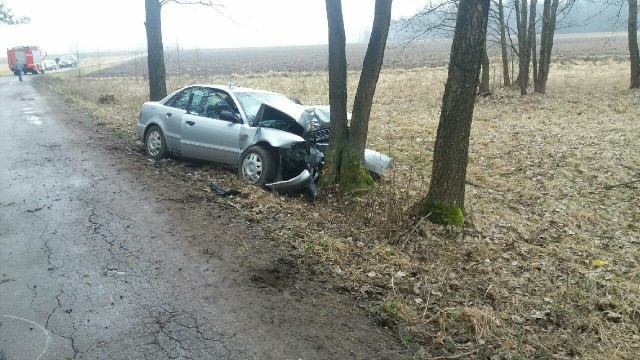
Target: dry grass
548, 266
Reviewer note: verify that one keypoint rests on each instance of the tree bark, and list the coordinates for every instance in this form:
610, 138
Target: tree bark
337, 91
155, 51
633, 44
353, 175
521, 20
506, 81
534, 59
444, 202
546, 43
531, 38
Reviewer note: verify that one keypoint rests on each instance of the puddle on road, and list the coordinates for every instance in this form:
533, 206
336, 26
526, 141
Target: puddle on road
79, 182
34, 120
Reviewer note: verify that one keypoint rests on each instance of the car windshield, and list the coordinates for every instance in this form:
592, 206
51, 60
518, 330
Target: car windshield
251, 101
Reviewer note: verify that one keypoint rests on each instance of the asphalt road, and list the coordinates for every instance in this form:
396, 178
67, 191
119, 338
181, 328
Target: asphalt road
100, 259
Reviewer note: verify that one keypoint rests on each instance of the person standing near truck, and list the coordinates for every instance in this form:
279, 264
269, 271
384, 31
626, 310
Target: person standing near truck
18, 69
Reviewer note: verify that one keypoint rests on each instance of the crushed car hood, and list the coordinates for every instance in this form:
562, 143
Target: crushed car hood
310, 118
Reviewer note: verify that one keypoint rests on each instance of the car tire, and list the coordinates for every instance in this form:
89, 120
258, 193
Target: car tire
257, 166
154, 144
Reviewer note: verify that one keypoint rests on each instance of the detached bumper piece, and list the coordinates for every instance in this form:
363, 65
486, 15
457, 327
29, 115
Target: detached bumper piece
294, 184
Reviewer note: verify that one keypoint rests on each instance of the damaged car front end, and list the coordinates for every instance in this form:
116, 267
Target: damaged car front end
301, 154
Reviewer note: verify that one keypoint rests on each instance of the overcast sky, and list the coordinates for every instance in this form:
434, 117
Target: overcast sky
59, 25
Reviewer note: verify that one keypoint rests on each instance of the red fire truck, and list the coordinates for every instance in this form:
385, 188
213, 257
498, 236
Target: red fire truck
31, 56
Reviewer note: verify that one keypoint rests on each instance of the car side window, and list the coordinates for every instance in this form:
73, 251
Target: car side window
199, 101
217, 102
180, 100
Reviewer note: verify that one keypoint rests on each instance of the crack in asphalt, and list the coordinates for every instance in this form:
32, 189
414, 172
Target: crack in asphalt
179, 333
35, 294
70, 338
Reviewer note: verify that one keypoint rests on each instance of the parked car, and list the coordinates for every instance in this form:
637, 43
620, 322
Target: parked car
50, 65
68, 61
274, 141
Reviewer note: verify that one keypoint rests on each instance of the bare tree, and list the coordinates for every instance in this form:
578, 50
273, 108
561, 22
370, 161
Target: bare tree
503, 45
549, 15
520, 8
346, 152
435, 18
530, 44
7, 17
633, 44
155, 49
484, 76
444, 202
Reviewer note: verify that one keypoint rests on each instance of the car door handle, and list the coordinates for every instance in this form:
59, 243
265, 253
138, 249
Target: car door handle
190, 123
169, 114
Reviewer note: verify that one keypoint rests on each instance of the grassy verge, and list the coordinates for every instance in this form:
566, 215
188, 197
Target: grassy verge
546, 268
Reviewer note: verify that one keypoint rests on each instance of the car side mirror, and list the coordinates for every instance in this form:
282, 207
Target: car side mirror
230, 116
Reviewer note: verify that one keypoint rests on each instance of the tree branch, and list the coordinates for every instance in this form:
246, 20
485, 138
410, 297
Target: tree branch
7, 17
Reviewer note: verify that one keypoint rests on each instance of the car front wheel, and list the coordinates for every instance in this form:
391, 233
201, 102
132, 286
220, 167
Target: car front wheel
154, 144
258, 166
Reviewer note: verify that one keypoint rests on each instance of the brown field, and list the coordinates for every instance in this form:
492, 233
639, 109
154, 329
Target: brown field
230, 62
548, 266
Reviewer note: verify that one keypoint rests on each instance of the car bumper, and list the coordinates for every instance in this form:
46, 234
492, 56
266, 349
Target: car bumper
292, 185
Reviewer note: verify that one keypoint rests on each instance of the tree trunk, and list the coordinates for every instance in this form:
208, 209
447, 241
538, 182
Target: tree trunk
546, 43
337, 91
155, 51
534, 59
506, 81
521, 20
633, 45
353, 175
484, 78
531, 38
444, 202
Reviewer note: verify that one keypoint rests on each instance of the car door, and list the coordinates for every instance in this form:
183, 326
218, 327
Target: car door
171, 113
205, 134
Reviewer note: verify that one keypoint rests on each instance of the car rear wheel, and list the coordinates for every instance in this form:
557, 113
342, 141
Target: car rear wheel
258, 166
154, 144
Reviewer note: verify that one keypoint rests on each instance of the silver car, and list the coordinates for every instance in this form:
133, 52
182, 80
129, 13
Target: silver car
273, 140
68, 61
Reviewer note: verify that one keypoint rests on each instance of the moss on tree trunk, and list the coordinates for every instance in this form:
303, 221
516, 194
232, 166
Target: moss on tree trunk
353, 175
443, 214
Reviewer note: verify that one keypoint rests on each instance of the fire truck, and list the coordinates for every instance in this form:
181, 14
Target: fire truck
32, 56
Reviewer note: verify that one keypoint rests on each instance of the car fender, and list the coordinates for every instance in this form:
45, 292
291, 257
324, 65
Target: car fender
274, 137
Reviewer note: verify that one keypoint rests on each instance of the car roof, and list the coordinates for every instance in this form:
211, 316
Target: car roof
233, 89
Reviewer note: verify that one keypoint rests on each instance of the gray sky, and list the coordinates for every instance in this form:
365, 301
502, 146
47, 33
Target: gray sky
59, 25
